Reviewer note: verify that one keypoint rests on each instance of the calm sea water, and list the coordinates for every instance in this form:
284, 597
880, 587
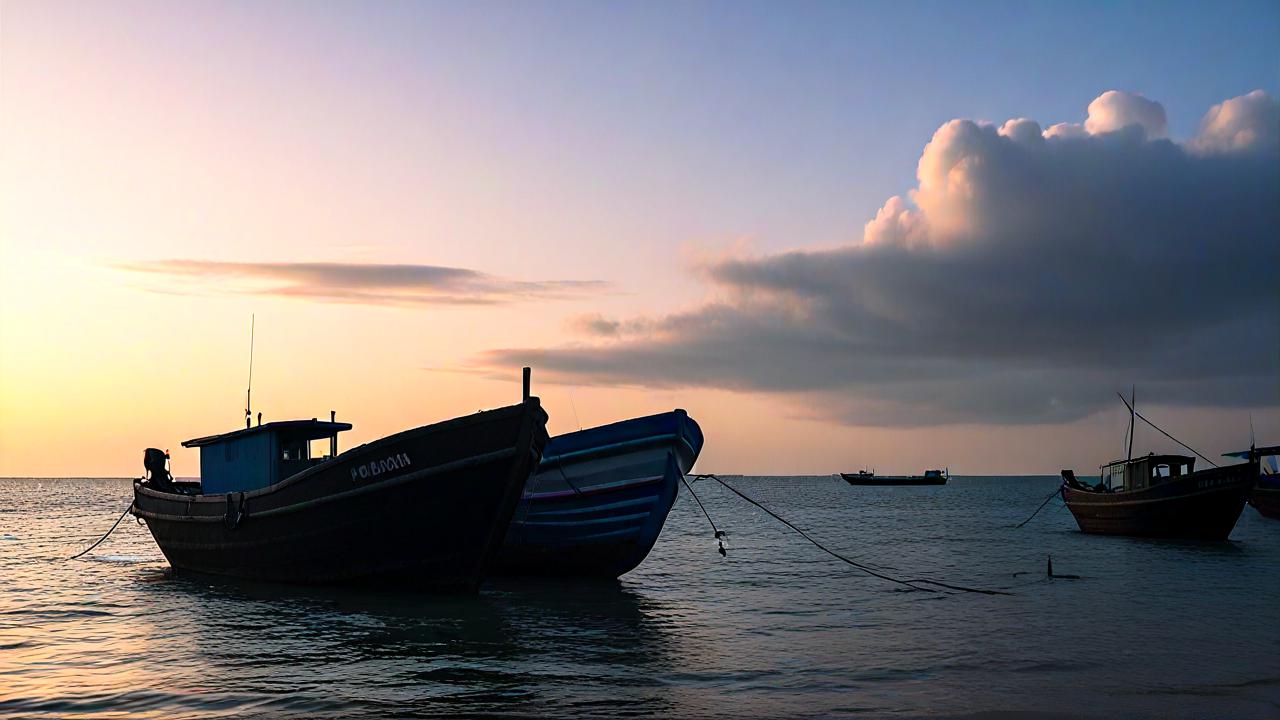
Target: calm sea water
776, 629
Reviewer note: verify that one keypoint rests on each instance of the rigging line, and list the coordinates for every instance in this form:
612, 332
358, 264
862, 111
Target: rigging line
574, 406
1037, 512
860, 566
1162, 432
564, 476
104, 537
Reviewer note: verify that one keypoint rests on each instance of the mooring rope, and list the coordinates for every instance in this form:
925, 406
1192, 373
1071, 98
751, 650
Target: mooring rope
913, 584
1056, 491
104, 537
719, 534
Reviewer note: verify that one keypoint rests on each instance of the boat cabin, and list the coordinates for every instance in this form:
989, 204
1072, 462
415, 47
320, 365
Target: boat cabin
1146, 471
260, 456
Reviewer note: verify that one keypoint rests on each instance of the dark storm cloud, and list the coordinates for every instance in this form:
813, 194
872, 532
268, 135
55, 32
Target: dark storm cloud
372, 284
1029, 274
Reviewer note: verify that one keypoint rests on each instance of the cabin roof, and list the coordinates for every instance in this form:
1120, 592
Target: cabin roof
300, 429
1262, 451
1152, 457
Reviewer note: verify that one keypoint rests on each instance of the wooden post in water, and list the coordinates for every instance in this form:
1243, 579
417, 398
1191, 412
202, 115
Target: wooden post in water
527, 372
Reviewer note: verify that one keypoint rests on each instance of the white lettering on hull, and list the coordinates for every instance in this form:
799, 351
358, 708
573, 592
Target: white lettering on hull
373, 469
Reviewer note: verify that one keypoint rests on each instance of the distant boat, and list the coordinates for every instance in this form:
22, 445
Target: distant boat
1265, 497
1160, 496
600, 497
865, 477
424, 508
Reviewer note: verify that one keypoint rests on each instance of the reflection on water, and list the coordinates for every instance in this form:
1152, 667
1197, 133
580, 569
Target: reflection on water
775, 630
436, 654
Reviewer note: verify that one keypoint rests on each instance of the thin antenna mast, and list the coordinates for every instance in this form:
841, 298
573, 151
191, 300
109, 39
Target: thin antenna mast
1133, 410
248, 394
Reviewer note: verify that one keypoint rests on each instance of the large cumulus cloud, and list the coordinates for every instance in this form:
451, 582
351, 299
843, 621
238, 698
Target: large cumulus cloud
1028, 273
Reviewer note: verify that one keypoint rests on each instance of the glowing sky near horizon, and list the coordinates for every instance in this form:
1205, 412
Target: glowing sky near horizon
411, 197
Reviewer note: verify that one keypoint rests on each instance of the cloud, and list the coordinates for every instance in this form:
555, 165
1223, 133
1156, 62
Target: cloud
1116, 110
370, 284
1027, 275
1246, 123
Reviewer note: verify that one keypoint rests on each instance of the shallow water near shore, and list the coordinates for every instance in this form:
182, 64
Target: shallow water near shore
776, 629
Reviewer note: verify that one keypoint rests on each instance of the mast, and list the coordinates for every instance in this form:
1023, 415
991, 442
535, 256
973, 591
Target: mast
248, 393
1133, 410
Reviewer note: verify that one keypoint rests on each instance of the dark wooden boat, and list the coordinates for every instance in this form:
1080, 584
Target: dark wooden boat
1265, 497
1161, 496
600, 497
864, 477
424, 508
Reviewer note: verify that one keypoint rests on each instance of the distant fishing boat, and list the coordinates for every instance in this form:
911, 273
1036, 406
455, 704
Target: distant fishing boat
425, 508
1160, 496
1265, 497
865, 477
600, 497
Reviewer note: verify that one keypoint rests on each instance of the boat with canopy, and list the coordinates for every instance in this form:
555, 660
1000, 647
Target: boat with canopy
424, 508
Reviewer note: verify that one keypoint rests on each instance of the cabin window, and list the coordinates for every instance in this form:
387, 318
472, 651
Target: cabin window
1113, 477
1161, 471
295, 450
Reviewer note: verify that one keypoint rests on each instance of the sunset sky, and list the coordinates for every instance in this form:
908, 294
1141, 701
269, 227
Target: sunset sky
841, 235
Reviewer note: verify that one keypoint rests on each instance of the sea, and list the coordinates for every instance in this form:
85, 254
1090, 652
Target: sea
774, 628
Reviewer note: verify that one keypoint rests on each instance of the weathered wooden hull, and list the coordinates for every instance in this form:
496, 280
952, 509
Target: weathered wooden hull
1265, 497
1201, 506
424, 508
600, 498
889, 480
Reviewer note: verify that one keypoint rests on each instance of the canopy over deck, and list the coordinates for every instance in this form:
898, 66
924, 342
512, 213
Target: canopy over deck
295, 429
256, 457
1154, 460
1145, 471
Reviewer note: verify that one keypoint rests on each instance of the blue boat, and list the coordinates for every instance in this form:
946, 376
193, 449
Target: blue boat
600, 497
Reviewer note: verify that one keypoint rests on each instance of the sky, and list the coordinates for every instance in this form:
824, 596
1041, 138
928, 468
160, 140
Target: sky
841, 235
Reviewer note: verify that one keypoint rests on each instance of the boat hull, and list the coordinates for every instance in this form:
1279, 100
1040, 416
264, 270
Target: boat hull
888, 480
600, 498
1265, 497
1201, 506
424, 508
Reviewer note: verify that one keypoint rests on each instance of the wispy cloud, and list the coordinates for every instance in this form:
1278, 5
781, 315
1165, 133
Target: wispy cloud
1028, 274
356, 283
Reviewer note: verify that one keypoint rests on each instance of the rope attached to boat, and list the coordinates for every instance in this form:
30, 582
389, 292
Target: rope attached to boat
104, 537
913, 584
720, 534
1057, 491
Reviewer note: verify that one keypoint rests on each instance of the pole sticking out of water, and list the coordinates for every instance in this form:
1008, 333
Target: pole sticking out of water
248, 394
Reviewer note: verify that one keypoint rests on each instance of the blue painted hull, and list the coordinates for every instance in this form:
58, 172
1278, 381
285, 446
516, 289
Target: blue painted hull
600, 498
